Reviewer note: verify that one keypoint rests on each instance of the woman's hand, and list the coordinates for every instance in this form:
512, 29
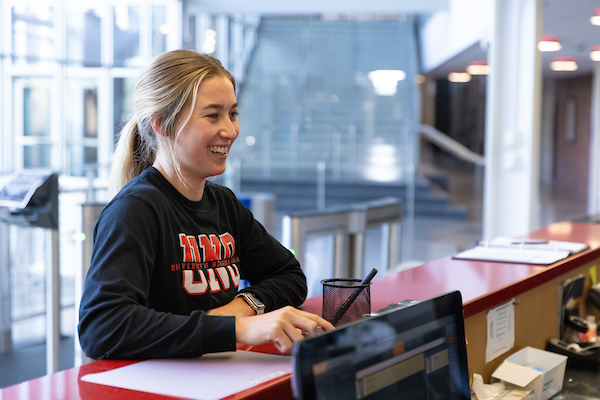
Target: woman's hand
283, 327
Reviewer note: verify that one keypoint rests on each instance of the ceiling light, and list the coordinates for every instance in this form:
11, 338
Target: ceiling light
549, 43
478, 68
210, 41
382, 159
563, 64
385, 81
459, 76
419, 78
595, 19
165, 29
595, 54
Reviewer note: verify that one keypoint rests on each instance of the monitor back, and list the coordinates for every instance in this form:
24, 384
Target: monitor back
417, 352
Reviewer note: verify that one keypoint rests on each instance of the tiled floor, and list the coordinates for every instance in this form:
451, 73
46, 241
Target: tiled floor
434, 238
30, 363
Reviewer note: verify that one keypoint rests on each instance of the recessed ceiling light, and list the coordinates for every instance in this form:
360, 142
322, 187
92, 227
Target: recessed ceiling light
478, 68
549, 43
385, 81
563, 64
595, 19
459, 76
595, 54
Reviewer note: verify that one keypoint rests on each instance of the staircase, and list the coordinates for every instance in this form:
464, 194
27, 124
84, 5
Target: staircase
307, 99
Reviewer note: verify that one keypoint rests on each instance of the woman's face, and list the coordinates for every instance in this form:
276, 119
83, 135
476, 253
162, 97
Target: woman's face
204, 142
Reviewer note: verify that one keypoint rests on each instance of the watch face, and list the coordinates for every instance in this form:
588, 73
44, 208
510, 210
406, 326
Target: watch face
256, 302
253, 302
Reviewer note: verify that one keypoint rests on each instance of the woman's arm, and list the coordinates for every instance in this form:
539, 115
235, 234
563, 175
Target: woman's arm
273, 272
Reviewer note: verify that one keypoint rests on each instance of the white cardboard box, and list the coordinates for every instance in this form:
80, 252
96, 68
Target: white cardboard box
545, 380
517, 395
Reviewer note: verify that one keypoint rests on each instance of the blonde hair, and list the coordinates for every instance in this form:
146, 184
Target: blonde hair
163, 93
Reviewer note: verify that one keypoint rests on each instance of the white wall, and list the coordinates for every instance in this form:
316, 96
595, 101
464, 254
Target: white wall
449, 32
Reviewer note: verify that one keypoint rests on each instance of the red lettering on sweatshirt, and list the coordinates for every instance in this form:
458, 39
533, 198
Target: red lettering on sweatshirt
207, 263
228, 245
206, 247
190, 248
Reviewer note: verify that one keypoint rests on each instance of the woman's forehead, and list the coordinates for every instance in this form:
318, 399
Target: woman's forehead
216, 88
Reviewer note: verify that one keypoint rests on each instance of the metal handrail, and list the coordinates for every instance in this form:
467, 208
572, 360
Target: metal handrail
348, 224
450, 145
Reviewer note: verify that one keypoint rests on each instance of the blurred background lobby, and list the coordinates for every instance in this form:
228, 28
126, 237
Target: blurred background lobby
478, 117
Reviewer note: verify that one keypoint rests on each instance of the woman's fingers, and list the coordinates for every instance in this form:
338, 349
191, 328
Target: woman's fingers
283, 341
283, 327
285, 333
310, 323
293, 333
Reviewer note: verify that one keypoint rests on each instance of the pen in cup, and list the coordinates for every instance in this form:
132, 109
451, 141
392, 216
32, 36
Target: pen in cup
340, 313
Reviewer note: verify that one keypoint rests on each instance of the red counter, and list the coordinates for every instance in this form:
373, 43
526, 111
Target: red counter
483, 285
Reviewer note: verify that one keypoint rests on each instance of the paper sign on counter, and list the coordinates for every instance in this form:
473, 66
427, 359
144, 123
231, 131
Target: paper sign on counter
500, 330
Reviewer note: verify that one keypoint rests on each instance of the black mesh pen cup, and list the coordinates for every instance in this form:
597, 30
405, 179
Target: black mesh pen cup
337, 291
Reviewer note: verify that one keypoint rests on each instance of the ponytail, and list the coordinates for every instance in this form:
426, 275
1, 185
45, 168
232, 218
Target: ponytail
132, 155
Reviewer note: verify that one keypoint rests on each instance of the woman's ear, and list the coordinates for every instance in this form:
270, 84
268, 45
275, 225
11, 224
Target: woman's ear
156, 126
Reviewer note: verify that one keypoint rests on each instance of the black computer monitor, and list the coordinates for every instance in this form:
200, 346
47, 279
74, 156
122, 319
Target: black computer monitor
418, 352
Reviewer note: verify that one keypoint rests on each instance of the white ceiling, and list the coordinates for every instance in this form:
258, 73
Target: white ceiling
315, 6
569, 20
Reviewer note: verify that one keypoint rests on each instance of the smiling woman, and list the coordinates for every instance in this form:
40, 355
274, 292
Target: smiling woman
203, 140
170, 248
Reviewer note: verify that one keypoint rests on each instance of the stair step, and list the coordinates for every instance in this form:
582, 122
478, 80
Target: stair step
293, 195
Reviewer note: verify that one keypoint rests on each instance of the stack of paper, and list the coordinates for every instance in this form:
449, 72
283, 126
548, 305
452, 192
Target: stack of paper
524, 251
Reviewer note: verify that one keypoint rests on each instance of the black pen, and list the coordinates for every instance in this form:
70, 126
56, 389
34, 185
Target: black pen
340, 313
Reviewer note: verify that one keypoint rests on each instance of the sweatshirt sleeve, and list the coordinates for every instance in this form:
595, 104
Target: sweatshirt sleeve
273, 272
114, 321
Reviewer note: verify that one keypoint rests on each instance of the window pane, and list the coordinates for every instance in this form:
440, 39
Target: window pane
33, 34
27, 284
160, 30
90, 113
84, 37
36, 156
82, 126
123, 102
127, 36
36, 111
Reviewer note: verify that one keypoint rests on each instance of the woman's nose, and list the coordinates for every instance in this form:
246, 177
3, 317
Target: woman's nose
230, 129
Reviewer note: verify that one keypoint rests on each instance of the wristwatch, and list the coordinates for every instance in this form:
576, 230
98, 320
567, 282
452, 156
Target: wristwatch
253, 302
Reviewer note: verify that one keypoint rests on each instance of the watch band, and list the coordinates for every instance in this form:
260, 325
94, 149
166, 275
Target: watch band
257, 305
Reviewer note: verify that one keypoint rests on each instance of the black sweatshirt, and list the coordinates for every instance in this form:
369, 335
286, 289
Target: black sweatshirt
160, 261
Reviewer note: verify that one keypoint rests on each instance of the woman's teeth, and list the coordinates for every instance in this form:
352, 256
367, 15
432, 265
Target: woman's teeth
218, 150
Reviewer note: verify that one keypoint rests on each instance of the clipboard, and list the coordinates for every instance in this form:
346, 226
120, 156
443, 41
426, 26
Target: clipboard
521, 251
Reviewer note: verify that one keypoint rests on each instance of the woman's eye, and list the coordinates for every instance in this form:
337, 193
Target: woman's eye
233, 114
212, 116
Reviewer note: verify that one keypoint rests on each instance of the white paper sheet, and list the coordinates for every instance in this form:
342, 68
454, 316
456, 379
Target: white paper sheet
500, 330
210, 377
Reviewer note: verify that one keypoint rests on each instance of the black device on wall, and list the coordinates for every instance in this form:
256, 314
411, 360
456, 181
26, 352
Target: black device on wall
32, 199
